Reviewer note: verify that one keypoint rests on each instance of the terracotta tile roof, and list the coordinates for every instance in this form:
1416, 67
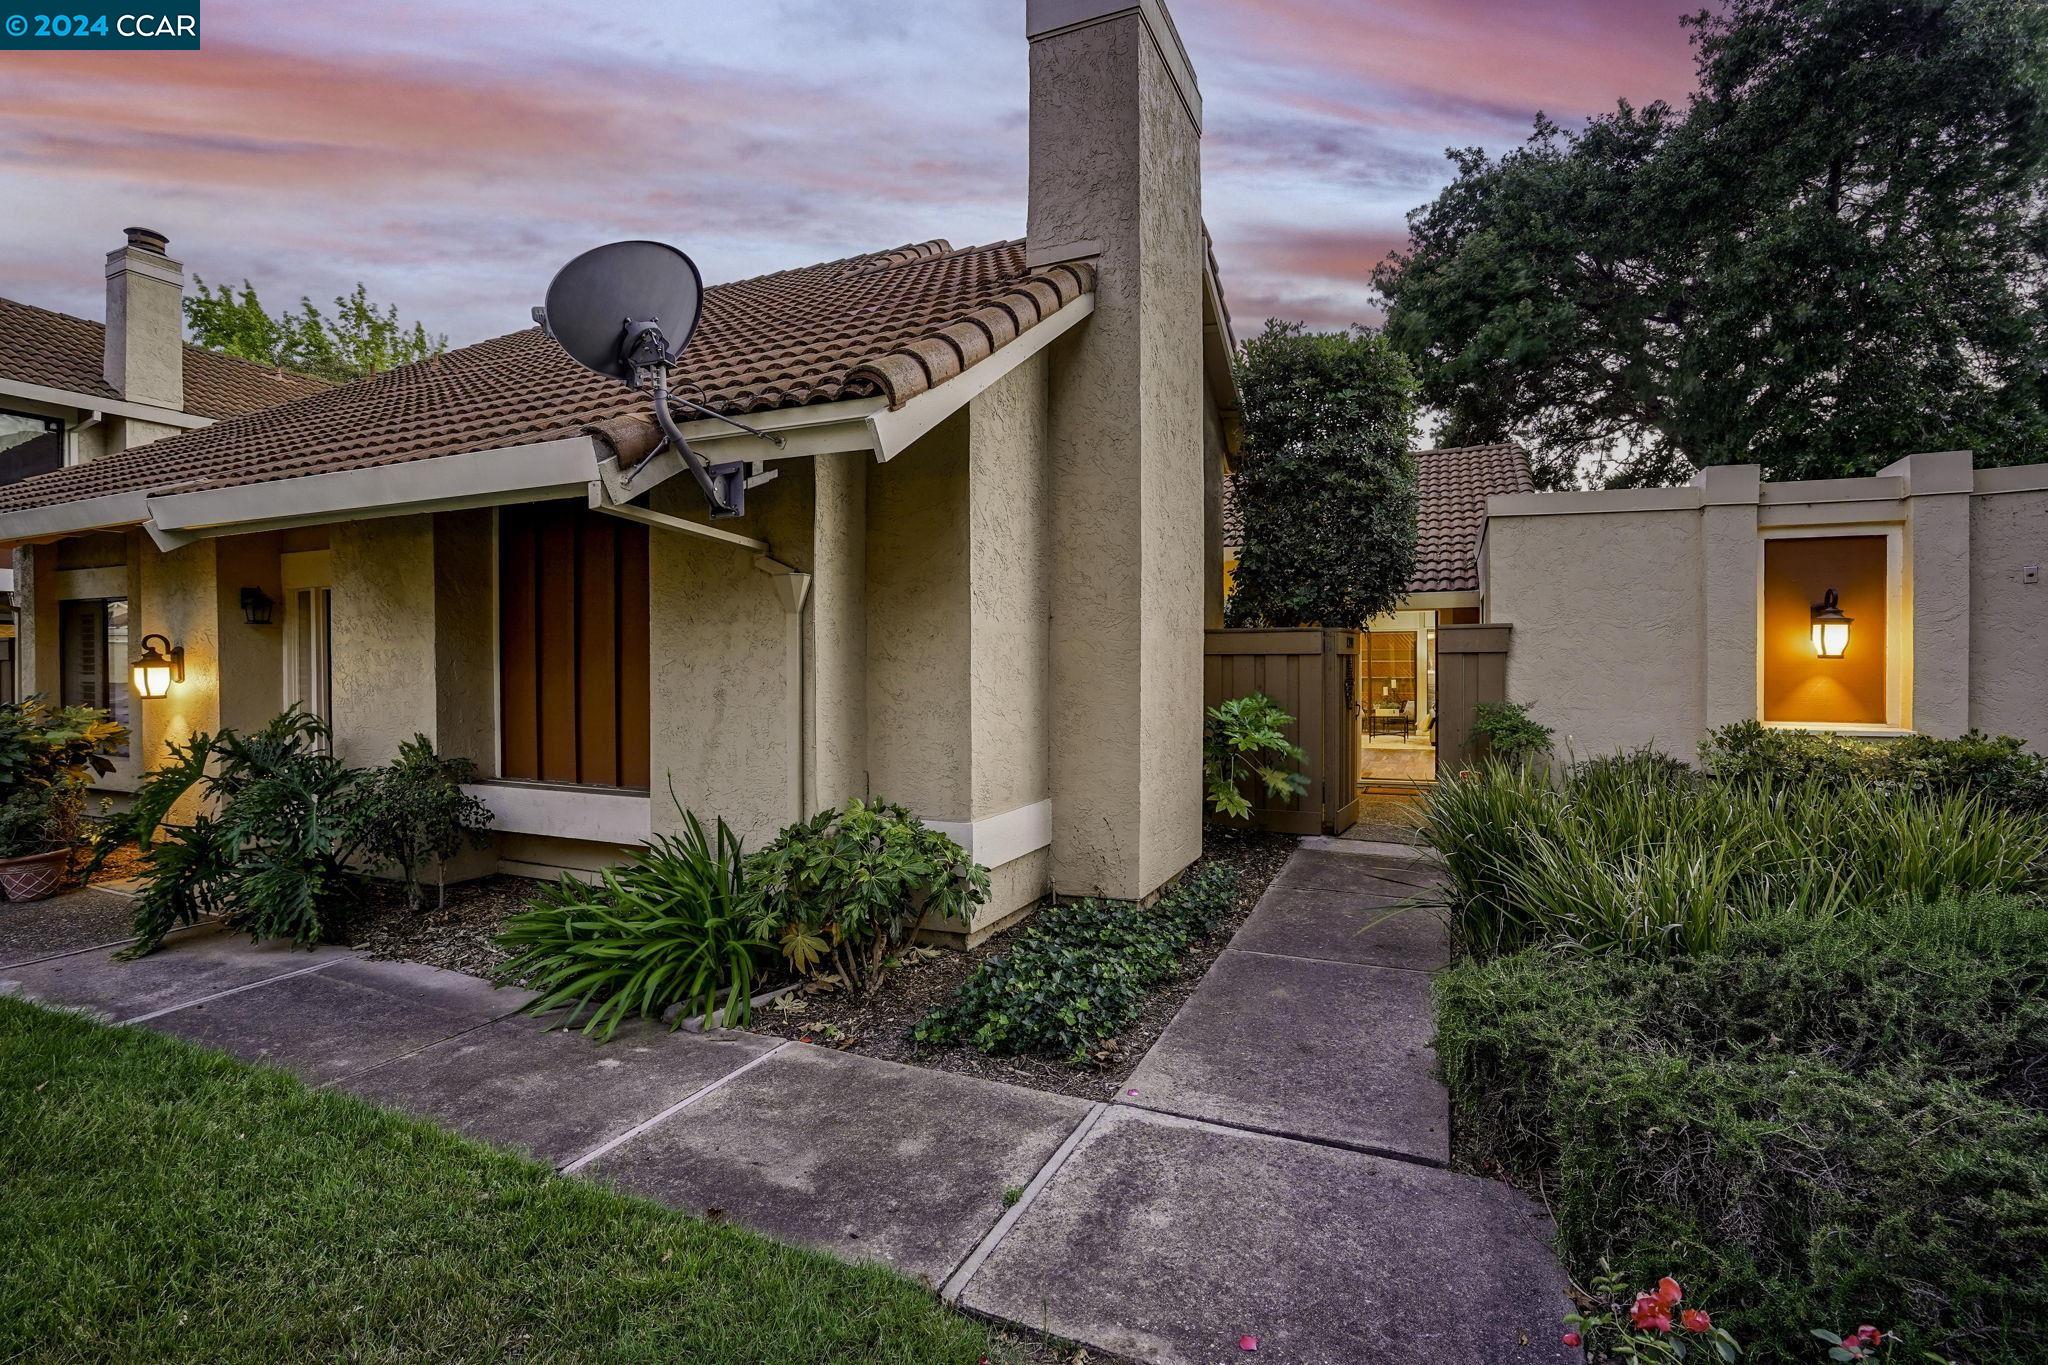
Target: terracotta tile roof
1453, 485
59, 351
891, 324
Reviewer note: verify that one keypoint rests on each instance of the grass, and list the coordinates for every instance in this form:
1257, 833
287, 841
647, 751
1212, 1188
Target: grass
167, 1203
1641, 855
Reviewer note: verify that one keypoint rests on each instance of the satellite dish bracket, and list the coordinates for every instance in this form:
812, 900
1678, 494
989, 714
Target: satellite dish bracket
724, 485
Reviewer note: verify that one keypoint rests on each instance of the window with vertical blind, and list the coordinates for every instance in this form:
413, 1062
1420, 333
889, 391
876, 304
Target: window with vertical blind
93, 656
572, 647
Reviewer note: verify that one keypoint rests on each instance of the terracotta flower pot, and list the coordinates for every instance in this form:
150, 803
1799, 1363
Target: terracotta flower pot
36, 876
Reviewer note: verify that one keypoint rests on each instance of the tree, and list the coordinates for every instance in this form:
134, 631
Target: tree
1326, 484
1833, 256
358, 339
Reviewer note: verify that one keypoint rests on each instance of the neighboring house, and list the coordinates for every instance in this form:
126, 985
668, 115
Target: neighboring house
1398, 657
1652, 615
976, 585
72, 391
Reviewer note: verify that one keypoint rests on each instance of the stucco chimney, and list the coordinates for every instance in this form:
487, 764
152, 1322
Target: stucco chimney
1115, 177
145, 357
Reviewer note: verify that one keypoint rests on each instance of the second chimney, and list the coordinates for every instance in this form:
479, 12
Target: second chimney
145, 354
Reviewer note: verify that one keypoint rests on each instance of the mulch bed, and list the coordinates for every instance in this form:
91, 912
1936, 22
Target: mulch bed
879, 1025
459, 935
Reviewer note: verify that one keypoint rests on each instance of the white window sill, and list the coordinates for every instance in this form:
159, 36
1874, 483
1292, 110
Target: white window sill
1851, 729
594, 814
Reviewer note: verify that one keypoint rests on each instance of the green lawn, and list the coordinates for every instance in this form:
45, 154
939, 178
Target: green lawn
160, 1202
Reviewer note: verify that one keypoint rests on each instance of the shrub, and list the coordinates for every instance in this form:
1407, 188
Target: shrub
1509, 732
674, 926
1996, 768
1816, 1122
1080, 972
414, 812
842, 891
1628, 855
46, 754
1243, 739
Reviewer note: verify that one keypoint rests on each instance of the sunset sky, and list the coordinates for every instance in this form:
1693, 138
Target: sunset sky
451, 154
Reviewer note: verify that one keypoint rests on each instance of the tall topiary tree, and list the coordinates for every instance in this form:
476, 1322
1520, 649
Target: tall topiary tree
1326, 484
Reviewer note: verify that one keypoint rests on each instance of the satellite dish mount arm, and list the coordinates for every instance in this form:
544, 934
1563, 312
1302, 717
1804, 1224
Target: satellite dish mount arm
724, 485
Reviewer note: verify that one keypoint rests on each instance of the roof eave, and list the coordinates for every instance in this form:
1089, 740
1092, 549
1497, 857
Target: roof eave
92, 402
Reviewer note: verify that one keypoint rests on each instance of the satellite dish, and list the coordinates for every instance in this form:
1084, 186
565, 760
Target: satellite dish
626, 310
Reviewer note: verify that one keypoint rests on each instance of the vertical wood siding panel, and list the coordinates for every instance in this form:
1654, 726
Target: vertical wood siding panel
635, 766
518, 677
597, 654
557, 644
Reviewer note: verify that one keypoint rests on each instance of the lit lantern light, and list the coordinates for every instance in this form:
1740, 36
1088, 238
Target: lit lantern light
1830, 628
157, 669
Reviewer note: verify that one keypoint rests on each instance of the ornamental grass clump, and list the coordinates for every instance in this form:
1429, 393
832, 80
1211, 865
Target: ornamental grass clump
1080, 972
675, 925
1637, 854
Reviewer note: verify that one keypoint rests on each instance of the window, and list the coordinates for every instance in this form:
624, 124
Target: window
29, 444
308, 632
572, 647
94, 656
1798, 687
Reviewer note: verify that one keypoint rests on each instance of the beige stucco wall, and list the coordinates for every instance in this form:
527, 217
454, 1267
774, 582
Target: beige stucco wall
719, 641
1115, 163
838, 629
1636, 613
251, 657
177, 595
1009, 542
385, 689
919, 692
2009, 615
465, 638
1609, 620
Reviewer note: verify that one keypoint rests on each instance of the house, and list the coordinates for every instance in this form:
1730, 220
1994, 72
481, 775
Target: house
72, 391
1911, 601
1397, 657
976, 583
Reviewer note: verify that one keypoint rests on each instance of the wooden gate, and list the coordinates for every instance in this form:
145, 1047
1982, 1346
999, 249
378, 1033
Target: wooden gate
1471, 667
1312, 675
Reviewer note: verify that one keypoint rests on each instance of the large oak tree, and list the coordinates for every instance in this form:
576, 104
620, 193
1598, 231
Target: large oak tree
1834, 255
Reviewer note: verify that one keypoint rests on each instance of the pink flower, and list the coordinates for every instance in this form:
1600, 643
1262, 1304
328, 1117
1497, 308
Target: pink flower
1695, 1320
1866, 1335
1668, 1292
1569, 1339
1649, 1315
1244, 1343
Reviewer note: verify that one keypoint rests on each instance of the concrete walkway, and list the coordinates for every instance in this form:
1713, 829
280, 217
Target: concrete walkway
1273, 1169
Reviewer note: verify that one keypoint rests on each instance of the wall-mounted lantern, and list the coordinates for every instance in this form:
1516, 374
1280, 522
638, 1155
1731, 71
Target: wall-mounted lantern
1830, 627
256, 605
157, 669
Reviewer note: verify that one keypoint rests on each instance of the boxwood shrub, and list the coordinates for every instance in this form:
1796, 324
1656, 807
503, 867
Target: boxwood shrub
1814, 1124
1080, 972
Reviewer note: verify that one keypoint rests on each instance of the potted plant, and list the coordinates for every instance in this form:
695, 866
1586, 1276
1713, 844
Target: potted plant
46, 753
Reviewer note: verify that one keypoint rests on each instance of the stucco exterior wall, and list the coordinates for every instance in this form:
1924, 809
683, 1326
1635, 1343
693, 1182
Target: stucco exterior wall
722, 668
920, 656
2009, 615
838, 624
1115, 166
1009, 539
383, 630
1636, 614
177, 595
1609, 623
251, 657
465, 638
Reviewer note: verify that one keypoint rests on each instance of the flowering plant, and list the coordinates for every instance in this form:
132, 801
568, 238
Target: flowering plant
1862, 1344
1653, 1326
